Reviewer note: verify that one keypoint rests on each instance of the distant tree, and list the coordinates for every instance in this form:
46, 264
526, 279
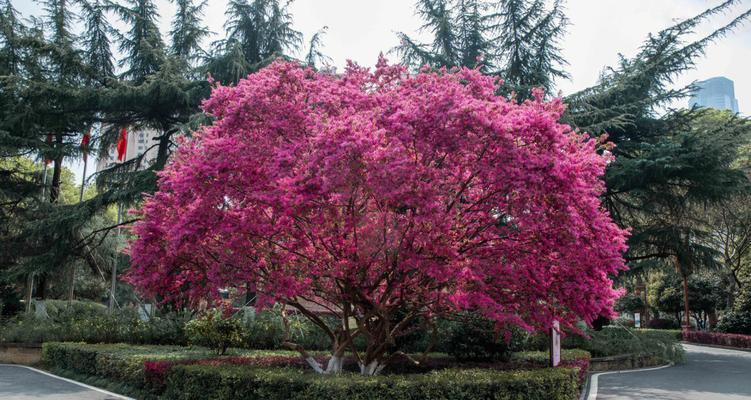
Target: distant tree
142, 43
187, 30
96, 41
706, 296
315, 57
258, 31
669, 165
516, 40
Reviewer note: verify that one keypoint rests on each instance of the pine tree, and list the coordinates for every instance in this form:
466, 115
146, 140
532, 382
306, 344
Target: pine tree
665, 170
142, 44
95, 40
527, 37
444, 50
257, 32
515, 39
187, 30
314, 56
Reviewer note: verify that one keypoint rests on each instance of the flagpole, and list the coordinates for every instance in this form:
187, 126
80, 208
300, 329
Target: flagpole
72, 281
113, 284
122, 146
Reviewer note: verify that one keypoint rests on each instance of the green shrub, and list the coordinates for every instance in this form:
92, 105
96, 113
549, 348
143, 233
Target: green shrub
121, 363
473, 338
611, 341
89, 322
243, 382
735, 322
215, 332
630, 303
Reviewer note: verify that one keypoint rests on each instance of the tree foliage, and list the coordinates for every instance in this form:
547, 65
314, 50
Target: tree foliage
516, 40
383, 198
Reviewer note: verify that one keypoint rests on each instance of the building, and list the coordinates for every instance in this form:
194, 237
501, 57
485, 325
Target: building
718, 92
141, 142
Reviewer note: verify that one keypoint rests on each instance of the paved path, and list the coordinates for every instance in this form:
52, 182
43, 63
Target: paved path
21, 383
708, 374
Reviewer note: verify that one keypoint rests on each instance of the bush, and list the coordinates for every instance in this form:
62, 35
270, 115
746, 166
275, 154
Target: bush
89, 322
735, 322
611, 341
629, 303
117, 362
474, 338
662, 323
242, 382
720, 339
10, 300
215, 332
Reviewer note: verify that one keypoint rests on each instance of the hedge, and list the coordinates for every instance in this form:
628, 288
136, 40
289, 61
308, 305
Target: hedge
193, 382
126, 364
147, 371
720, 339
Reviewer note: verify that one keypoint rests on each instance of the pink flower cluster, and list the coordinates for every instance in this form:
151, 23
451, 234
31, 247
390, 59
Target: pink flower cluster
384, 191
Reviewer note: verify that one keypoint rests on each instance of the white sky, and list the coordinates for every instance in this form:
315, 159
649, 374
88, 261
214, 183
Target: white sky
599, 29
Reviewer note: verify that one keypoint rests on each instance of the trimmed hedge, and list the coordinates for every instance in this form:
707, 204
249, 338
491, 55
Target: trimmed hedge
720, 339
127, 364
147, 372
193, 382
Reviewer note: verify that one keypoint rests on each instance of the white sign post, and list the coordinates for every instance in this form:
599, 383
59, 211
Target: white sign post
637, 320
555, 344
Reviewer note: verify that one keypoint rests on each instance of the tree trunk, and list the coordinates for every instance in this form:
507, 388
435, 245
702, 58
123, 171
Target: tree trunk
57, 171
29, 291
71, 282
687, 319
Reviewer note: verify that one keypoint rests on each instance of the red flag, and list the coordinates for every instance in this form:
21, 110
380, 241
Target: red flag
85, 145
122, 144
47, 161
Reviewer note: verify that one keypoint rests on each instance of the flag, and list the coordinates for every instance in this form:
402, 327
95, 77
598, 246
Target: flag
85, 145
122, 144
48, 160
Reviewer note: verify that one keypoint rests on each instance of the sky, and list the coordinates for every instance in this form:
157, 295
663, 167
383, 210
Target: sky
599, 30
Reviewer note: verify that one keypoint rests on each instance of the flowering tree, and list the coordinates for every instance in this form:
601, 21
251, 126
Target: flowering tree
384, 198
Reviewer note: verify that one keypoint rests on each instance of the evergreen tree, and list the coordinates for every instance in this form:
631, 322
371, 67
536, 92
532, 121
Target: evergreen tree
257, 32
669, 165
95, 40
515, 39
445, 47
527, 39
142, 44
315, 57
187, 30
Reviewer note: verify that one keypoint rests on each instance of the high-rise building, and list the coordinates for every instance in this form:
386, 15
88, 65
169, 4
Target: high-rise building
140, 142
718, 92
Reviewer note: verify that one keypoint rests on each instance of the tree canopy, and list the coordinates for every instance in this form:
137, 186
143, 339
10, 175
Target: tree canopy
383, 197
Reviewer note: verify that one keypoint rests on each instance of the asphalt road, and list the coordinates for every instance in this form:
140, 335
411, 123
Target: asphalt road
20, 383
708, 374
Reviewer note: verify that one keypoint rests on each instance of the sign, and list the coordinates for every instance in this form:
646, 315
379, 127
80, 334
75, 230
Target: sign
555, 344
637, 320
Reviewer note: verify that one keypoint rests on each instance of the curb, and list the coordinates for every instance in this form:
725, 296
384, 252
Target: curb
717, 346
115, 395
591, 393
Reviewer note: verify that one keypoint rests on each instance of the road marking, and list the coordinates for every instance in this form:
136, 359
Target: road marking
594, 378
69, 381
